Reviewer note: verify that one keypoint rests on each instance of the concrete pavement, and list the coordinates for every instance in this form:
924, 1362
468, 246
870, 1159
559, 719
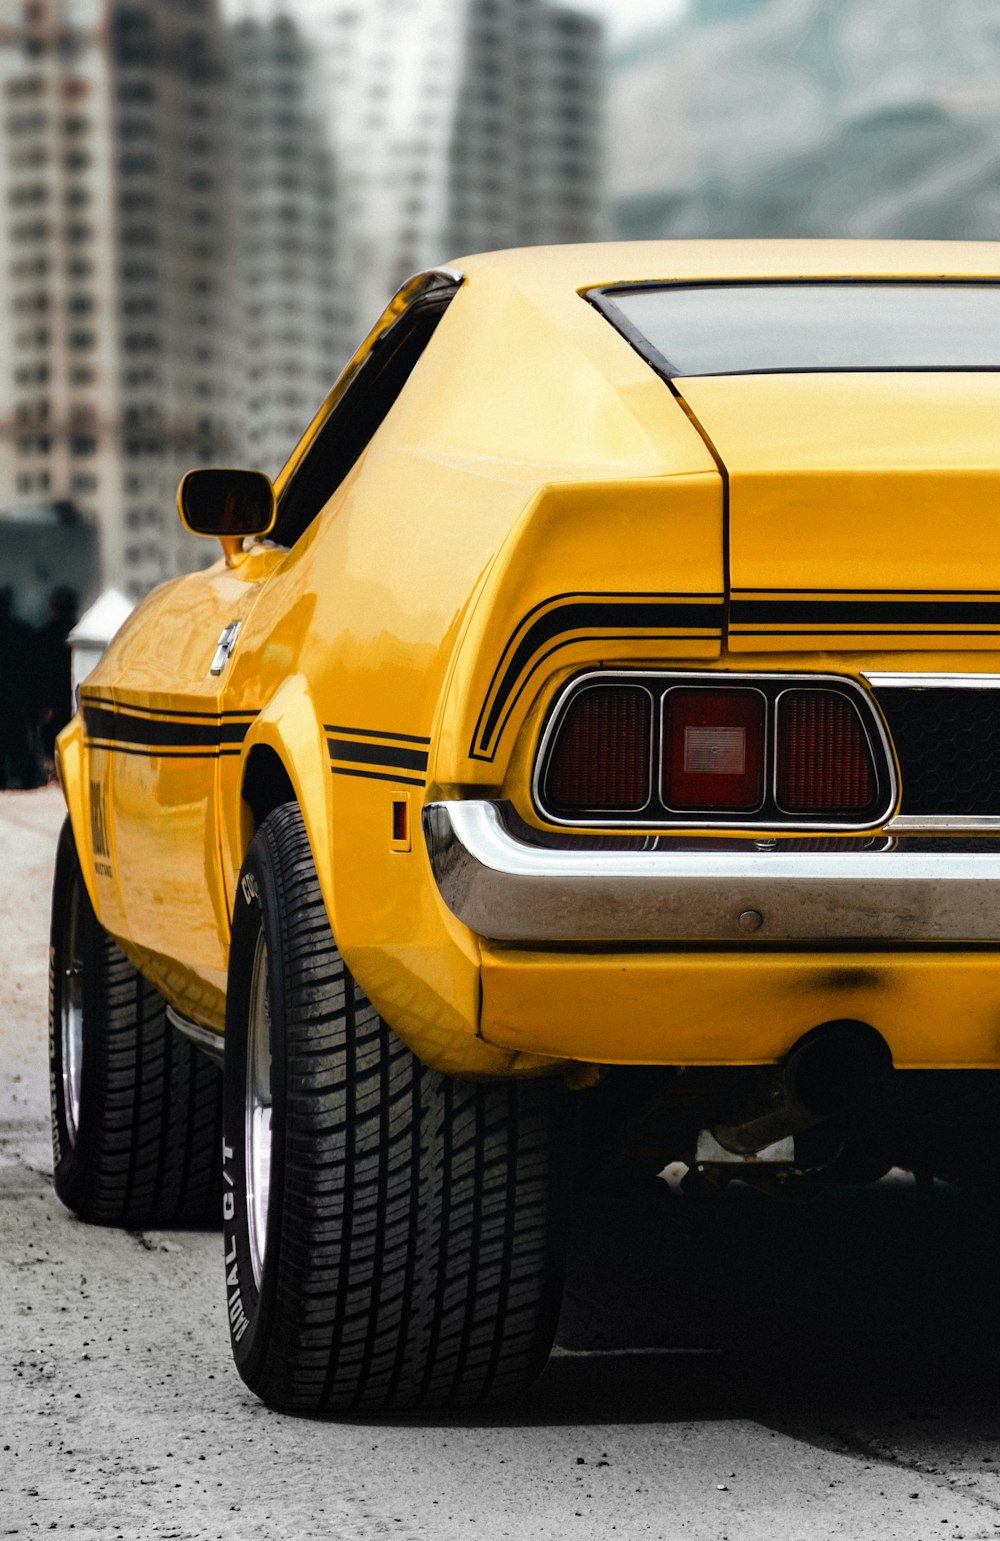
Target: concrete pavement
823, 1371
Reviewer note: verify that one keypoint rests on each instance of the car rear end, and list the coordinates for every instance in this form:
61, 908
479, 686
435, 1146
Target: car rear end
757, 824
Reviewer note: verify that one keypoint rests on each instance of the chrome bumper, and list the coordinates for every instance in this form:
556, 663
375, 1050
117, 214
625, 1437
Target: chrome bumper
510, 891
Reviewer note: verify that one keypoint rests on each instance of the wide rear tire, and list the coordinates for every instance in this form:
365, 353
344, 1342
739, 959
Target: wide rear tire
394, 1238
136, 1110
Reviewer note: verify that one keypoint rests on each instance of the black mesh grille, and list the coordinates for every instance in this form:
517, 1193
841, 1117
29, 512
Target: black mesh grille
948, 747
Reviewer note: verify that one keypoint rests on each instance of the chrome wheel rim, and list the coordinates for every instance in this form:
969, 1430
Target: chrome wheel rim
258, 1109
71, 1013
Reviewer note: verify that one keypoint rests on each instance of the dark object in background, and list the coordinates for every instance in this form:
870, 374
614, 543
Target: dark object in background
53, 665
20, 745
43, 546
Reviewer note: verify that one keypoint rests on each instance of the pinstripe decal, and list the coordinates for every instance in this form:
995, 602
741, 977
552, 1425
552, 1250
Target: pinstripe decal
158, 733
568, 618
355, 752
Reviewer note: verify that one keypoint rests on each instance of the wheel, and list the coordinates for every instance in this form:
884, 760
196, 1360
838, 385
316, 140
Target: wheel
394, 1238
136, 1110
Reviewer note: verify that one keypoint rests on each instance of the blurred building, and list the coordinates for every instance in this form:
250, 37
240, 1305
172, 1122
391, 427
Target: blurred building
460, 125
114, 229
205, 203
295, 302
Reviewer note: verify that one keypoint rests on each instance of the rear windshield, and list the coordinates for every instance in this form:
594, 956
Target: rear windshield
777, 328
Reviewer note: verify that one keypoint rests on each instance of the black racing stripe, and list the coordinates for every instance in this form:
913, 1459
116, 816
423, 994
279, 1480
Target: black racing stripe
154, 753
870, 594
135, 709
399, 738
845, 634
234, 732
601, 639
582, 615
377, 754
855, 612
122, 727
342, 770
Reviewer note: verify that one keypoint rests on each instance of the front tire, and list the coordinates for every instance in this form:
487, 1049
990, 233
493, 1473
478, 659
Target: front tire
394, 1238
136, 1110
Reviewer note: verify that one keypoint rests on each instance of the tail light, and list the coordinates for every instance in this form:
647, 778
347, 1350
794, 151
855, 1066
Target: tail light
824, 760
713, 750
718, 749
602, 754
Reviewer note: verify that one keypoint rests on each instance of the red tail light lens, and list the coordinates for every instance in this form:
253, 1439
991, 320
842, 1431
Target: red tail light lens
713, 749
824, 758
601, 757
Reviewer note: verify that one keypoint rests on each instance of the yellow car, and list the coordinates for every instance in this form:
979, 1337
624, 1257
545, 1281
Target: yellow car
586, 757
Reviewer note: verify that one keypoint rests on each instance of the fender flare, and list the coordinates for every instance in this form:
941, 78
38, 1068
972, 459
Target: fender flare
71, 774
291, 728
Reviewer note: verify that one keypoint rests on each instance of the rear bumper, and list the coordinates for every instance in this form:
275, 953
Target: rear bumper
934, 1009
509, 891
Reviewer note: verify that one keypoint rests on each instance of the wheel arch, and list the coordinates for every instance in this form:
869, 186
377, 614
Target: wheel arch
71, 768
284, 760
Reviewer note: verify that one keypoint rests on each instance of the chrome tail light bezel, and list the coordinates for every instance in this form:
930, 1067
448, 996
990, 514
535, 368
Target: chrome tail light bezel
769, 816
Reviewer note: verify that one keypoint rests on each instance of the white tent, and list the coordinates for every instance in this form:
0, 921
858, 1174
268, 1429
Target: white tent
94, 630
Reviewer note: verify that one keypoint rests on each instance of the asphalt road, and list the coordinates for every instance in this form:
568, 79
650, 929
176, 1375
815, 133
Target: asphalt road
788, 1373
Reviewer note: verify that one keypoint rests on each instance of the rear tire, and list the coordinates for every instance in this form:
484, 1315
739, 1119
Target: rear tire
136, 1110
394, 1238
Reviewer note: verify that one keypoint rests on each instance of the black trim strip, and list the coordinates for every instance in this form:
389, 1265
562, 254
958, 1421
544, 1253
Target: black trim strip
122, 727
153, 753
377, 754
402, 738
845, 633
410, 781
159, 711
664, 614
872, 594
818, 612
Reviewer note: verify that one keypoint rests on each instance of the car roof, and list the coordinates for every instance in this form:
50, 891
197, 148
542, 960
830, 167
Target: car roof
537, 269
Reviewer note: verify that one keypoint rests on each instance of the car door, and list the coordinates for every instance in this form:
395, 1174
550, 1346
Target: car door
172, 732
185, 701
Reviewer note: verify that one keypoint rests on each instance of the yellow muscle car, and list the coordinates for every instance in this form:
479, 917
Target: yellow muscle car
585, 757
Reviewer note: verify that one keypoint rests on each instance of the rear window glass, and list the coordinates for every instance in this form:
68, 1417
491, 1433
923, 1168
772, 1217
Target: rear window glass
763, 328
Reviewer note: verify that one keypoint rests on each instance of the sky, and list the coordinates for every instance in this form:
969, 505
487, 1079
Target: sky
623, 17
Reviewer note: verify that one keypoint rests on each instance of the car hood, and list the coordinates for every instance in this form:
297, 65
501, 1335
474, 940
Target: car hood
863, 509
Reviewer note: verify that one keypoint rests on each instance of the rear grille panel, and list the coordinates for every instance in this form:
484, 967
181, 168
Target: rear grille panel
948, 745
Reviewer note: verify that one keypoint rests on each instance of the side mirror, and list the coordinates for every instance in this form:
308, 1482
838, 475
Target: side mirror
228, 504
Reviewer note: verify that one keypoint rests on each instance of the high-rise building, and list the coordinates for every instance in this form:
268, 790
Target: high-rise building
460, 125
204, 203
114, 232
295, 316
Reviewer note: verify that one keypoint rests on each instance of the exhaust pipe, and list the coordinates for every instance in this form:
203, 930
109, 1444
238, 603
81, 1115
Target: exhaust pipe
827, 1073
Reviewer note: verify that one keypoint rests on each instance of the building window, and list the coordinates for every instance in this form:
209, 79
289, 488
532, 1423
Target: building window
26, 194
28, 85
